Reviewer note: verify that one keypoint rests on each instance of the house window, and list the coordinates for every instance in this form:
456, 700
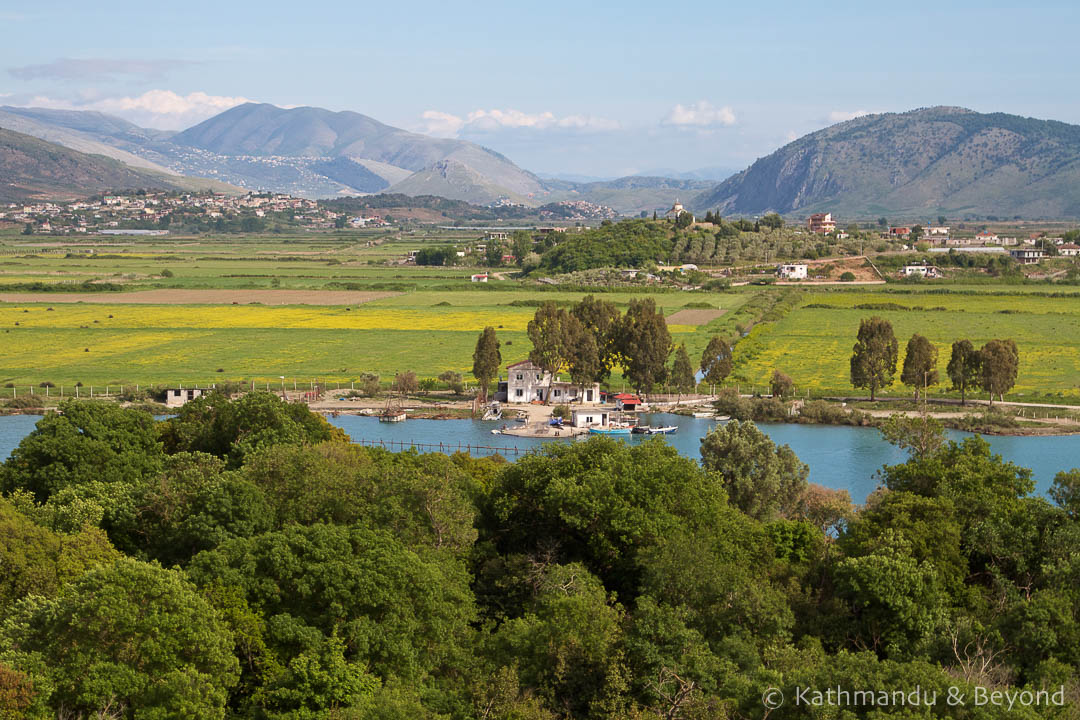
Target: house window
558, 393
520, 376
588, 395
519, 393
538, 376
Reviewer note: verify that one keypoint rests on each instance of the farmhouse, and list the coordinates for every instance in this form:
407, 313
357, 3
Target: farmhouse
937, 230
177, 397
525, 383
479, 277
1027, 256
900, 231
1069, 250
919, 270
795, 271
987, 238
822, 223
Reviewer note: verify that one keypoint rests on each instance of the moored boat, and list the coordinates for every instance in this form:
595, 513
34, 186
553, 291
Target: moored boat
610, 430
668, 430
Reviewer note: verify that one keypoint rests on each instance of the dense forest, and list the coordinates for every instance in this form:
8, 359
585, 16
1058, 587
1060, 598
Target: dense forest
243, 560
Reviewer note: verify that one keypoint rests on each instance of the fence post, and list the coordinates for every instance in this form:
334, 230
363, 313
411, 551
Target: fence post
91, 391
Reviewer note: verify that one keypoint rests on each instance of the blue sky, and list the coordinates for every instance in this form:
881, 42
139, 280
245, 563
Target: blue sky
590, 88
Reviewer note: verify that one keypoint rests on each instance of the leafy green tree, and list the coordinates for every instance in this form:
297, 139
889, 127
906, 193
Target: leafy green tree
921, 435
999, 361
682, 372
39, 561
781, 385
401, 612
521, 245
231, 430
552, 333
1065, 491
644, 344
584, 360
716, 361
964, 368
486, 360
599, 503
568, 645
761, 480
493, 253
127, 640
896, 601
920, 364
194, 505
600, 318
82, 443
873, 360
773, 221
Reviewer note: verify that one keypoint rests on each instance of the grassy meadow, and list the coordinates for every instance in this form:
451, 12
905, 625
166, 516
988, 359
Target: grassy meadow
431, 322
813, 343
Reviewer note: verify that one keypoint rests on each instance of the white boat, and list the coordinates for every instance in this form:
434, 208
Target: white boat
709, 415
393, 416
670, 429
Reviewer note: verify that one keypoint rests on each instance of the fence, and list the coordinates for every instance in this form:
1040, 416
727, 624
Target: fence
401, 445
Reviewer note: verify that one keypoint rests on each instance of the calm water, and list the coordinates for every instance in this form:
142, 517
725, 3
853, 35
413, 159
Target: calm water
838, 456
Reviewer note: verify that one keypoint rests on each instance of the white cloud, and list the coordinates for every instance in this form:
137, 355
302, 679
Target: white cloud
161, 109
442, 124
700, 114
838, 116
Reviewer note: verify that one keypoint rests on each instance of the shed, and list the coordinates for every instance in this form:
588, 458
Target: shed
626, 401
587, 418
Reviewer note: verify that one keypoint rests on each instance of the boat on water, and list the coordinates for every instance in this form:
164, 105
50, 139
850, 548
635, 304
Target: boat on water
393, 412
610, 430
708, 415
640, 430
493, 412
667, 430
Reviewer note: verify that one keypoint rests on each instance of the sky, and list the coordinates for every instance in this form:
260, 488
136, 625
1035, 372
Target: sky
595, 89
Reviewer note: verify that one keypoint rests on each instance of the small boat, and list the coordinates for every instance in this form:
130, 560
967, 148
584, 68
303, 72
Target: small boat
640, 430
393, 412
670, 429
708, 415
610, 430
722, 418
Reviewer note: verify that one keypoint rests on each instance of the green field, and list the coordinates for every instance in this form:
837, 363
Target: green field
426, 332
813, 344
431, 322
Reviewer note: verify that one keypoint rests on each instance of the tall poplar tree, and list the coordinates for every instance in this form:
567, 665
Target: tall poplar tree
644, 344
963, 369
873, 360
486, 360
716, 361
920, 364
999, 361
682, 372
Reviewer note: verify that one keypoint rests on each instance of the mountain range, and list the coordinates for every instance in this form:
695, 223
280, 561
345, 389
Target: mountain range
32, 168
934, 161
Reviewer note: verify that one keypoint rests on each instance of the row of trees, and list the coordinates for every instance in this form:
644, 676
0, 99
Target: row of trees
243, 560
592, 338
992, 368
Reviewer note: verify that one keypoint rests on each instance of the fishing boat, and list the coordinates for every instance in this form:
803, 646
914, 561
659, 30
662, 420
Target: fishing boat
640, 430
393, 412
668, 430
610, 430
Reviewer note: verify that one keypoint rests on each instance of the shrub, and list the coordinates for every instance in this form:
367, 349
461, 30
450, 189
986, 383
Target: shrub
847, 276
560, 411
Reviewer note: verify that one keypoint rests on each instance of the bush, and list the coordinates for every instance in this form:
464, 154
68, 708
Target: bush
166, 273
847, 276
454, 381
405, 382
22, 402
369, 384
560, 411
730, 403
819, 411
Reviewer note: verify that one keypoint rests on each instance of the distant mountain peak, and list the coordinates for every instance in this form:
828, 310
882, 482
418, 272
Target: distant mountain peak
928, 161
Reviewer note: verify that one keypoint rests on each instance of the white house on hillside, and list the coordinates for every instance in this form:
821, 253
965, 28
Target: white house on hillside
794, 271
